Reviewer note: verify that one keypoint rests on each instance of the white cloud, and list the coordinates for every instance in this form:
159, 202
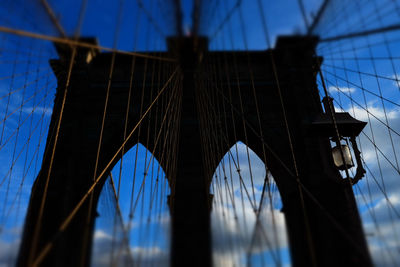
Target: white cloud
381, 177
382, 228
384, 243
396, 83
147, 252
267, 237
385, 210
109, 251
340, 89
8, 253
38, 110
227, 260
376, 140
99, 234
234, 221
374, 112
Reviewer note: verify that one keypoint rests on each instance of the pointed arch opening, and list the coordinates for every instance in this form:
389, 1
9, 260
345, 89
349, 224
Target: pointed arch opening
132, 227
248, 227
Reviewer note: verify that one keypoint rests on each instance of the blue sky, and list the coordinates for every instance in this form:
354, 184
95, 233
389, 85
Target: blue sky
357, 86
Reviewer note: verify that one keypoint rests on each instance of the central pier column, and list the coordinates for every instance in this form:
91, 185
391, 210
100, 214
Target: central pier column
191, 239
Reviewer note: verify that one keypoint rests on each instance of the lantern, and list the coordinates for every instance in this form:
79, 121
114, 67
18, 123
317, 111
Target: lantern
337, 125
345, 155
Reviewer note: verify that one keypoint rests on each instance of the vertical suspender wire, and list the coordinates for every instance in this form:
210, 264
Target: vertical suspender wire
16, 157
211, 145
125, 231
144, 174
237, 162
226, 137
37, 229
146, 169
208, 117
305, 215
131, 215
147, 166
22, 87
25, 171
35, 155
230, 156
36, 152
206, 104
154, 182
152, 158
110, 76
147, 234
44, 197
132, 71
235, 66
266, 184
23, 103
10, 172
276, 259
9, 94
41, 133
124, 137
19, 125
217, 182
173, 145
147, 140
159, 187
142, 195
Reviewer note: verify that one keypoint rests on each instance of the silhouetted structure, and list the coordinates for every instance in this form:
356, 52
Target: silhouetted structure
326, 231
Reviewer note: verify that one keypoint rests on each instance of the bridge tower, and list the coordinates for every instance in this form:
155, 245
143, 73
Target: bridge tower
322, 219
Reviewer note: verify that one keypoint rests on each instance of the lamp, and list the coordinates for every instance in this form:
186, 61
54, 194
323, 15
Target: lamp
344, 162
338, 125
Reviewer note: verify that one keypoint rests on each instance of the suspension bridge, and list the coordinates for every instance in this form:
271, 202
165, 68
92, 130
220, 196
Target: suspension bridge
200, 133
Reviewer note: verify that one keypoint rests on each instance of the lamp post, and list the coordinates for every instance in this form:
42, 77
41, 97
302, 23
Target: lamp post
337, 126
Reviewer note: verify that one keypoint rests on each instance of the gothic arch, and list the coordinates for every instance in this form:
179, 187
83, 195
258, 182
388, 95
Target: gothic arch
233, 216
118, 230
